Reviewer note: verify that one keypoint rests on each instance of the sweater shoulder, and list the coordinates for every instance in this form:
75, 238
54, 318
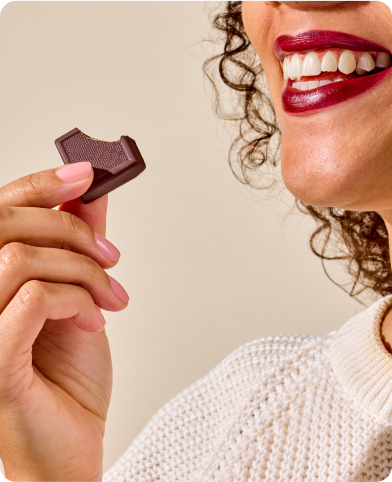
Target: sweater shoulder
212, 403
271, 351
256, 363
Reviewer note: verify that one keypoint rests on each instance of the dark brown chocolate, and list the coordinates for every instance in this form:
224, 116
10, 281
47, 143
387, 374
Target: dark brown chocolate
114, 163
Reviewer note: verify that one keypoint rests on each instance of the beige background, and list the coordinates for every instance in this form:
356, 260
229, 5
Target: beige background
207, 265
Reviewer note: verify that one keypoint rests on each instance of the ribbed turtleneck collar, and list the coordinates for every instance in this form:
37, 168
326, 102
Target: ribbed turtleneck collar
361, 363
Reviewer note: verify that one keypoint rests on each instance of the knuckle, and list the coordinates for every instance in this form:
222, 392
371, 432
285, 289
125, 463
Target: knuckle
13, 255
33, 292
6, 219
31, 189
33, 184
70, 222
6, 215
90, 268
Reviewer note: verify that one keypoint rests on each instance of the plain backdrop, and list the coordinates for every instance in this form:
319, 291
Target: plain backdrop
208, 264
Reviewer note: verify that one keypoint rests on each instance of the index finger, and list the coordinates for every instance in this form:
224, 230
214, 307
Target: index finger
49, 188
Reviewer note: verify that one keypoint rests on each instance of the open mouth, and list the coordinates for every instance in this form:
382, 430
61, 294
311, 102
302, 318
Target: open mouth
323, 68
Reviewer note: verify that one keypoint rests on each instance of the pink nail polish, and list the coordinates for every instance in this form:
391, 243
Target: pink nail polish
74, 172
103, 321
107, 248
119, 290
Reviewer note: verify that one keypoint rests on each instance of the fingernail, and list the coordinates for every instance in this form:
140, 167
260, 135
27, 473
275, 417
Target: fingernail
74, 172
107, 248
119, 290
103, 321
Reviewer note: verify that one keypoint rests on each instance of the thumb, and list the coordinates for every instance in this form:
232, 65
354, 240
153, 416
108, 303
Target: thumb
93, 214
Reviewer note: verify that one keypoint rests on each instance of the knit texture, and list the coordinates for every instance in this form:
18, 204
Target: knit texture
281, 408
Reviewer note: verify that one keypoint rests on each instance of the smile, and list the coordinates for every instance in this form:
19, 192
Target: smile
324, 68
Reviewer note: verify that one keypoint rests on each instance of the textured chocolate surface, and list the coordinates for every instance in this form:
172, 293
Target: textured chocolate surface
114, 163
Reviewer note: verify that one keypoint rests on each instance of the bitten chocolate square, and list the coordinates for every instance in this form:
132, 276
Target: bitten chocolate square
114, 163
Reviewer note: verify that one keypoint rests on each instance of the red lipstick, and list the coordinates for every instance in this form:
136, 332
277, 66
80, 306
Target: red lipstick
321, 39
301, 102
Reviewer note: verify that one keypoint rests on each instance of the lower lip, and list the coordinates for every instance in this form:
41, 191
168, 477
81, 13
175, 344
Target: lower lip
301, 102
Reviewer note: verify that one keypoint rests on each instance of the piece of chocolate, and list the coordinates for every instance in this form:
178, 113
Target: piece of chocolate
114, 163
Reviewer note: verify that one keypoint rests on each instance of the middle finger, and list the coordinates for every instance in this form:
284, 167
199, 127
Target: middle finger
20, 263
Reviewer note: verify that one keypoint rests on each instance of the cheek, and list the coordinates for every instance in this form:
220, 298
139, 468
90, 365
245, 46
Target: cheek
261, 23
248, 20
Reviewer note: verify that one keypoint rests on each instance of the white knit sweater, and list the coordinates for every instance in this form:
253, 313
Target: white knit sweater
281, 408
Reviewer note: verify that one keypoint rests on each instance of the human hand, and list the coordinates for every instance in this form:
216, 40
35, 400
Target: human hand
55, 363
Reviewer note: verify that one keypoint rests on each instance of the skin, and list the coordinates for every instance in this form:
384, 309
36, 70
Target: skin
55, 363
341, 155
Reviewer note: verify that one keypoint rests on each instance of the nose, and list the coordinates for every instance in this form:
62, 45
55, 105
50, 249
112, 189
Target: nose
306, 5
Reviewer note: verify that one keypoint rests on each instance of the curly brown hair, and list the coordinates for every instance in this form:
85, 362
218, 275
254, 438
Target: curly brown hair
358, 239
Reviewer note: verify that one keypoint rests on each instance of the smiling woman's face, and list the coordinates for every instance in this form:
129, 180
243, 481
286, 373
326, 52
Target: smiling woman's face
337, 137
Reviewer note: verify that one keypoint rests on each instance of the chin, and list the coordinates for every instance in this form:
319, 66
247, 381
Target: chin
317, 177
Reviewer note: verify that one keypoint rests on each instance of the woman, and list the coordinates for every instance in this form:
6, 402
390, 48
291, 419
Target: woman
288, 407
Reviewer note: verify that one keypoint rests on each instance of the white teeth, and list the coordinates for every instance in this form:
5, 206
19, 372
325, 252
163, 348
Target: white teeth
347, 62
329, 63
295, 67
313, 84
301, 85
383, 61
311, 65
366, 62
286, 68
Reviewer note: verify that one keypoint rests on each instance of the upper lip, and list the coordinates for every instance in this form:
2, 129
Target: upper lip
322, 39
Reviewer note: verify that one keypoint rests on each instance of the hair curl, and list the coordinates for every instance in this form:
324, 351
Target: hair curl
358, 239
